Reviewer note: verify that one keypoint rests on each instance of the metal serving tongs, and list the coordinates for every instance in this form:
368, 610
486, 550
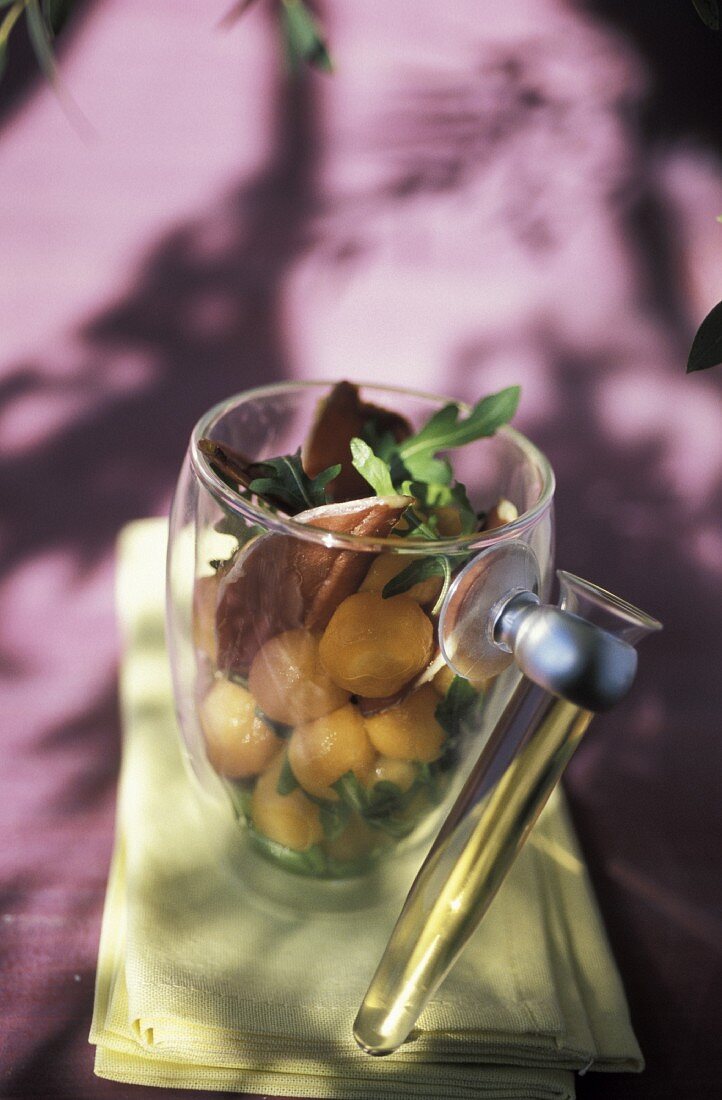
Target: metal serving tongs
576, 659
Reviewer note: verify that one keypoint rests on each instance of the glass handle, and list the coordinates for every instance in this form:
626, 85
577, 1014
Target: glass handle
573, 666
565, 654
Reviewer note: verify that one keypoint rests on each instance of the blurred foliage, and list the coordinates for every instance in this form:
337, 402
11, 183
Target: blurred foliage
303, 39
304, 44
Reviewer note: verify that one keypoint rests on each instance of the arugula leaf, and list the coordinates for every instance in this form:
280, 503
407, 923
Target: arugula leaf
351, 792
425, 467
385, 797
437, 495
419, 570
455, 708
287, 781
334, 818
382, 443
288, 482
310, 862
372, 468
445, 430
423, 529
415, 465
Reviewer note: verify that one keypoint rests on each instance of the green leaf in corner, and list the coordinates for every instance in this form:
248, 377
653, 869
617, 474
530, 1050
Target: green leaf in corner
40, 38
372, 468
304, 40
708, 11
5, 28
287, 781
56, 13
706, 350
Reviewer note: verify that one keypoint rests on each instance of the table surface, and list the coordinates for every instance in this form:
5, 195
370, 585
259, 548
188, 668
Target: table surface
476, 196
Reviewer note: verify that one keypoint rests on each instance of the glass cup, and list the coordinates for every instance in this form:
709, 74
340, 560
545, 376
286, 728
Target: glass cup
265, 612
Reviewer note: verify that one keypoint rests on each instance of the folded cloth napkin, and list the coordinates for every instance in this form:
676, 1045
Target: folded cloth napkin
206, 979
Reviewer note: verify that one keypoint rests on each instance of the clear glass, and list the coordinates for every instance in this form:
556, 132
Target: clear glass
311, 776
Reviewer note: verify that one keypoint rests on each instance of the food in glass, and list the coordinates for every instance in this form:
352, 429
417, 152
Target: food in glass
314, 536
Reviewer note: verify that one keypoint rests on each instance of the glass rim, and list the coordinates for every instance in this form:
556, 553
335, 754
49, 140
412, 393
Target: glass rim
273, 521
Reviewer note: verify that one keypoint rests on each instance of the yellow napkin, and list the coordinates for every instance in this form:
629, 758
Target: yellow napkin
205, 981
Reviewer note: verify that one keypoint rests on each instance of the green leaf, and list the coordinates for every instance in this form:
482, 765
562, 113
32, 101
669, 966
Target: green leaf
706, 350
287, 781
382, 443
240, 795
418, 527
708, 11
456, 706
303, 36
56, 14
279, 728
351, 792
384, 798
5, 28
287, 482
439, 495
446, 430
334, 817
41, 39
425, 467
310, 862
419, 570
372, 468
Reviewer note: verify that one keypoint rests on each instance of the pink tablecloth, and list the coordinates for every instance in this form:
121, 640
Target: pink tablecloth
477, 196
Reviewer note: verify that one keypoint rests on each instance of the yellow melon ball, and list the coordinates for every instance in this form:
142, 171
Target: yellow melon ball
289, 682
320, 752
445, 676
373, 646
239, 744
289, 819
387, 566
409, 730
388, 770
443, 680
